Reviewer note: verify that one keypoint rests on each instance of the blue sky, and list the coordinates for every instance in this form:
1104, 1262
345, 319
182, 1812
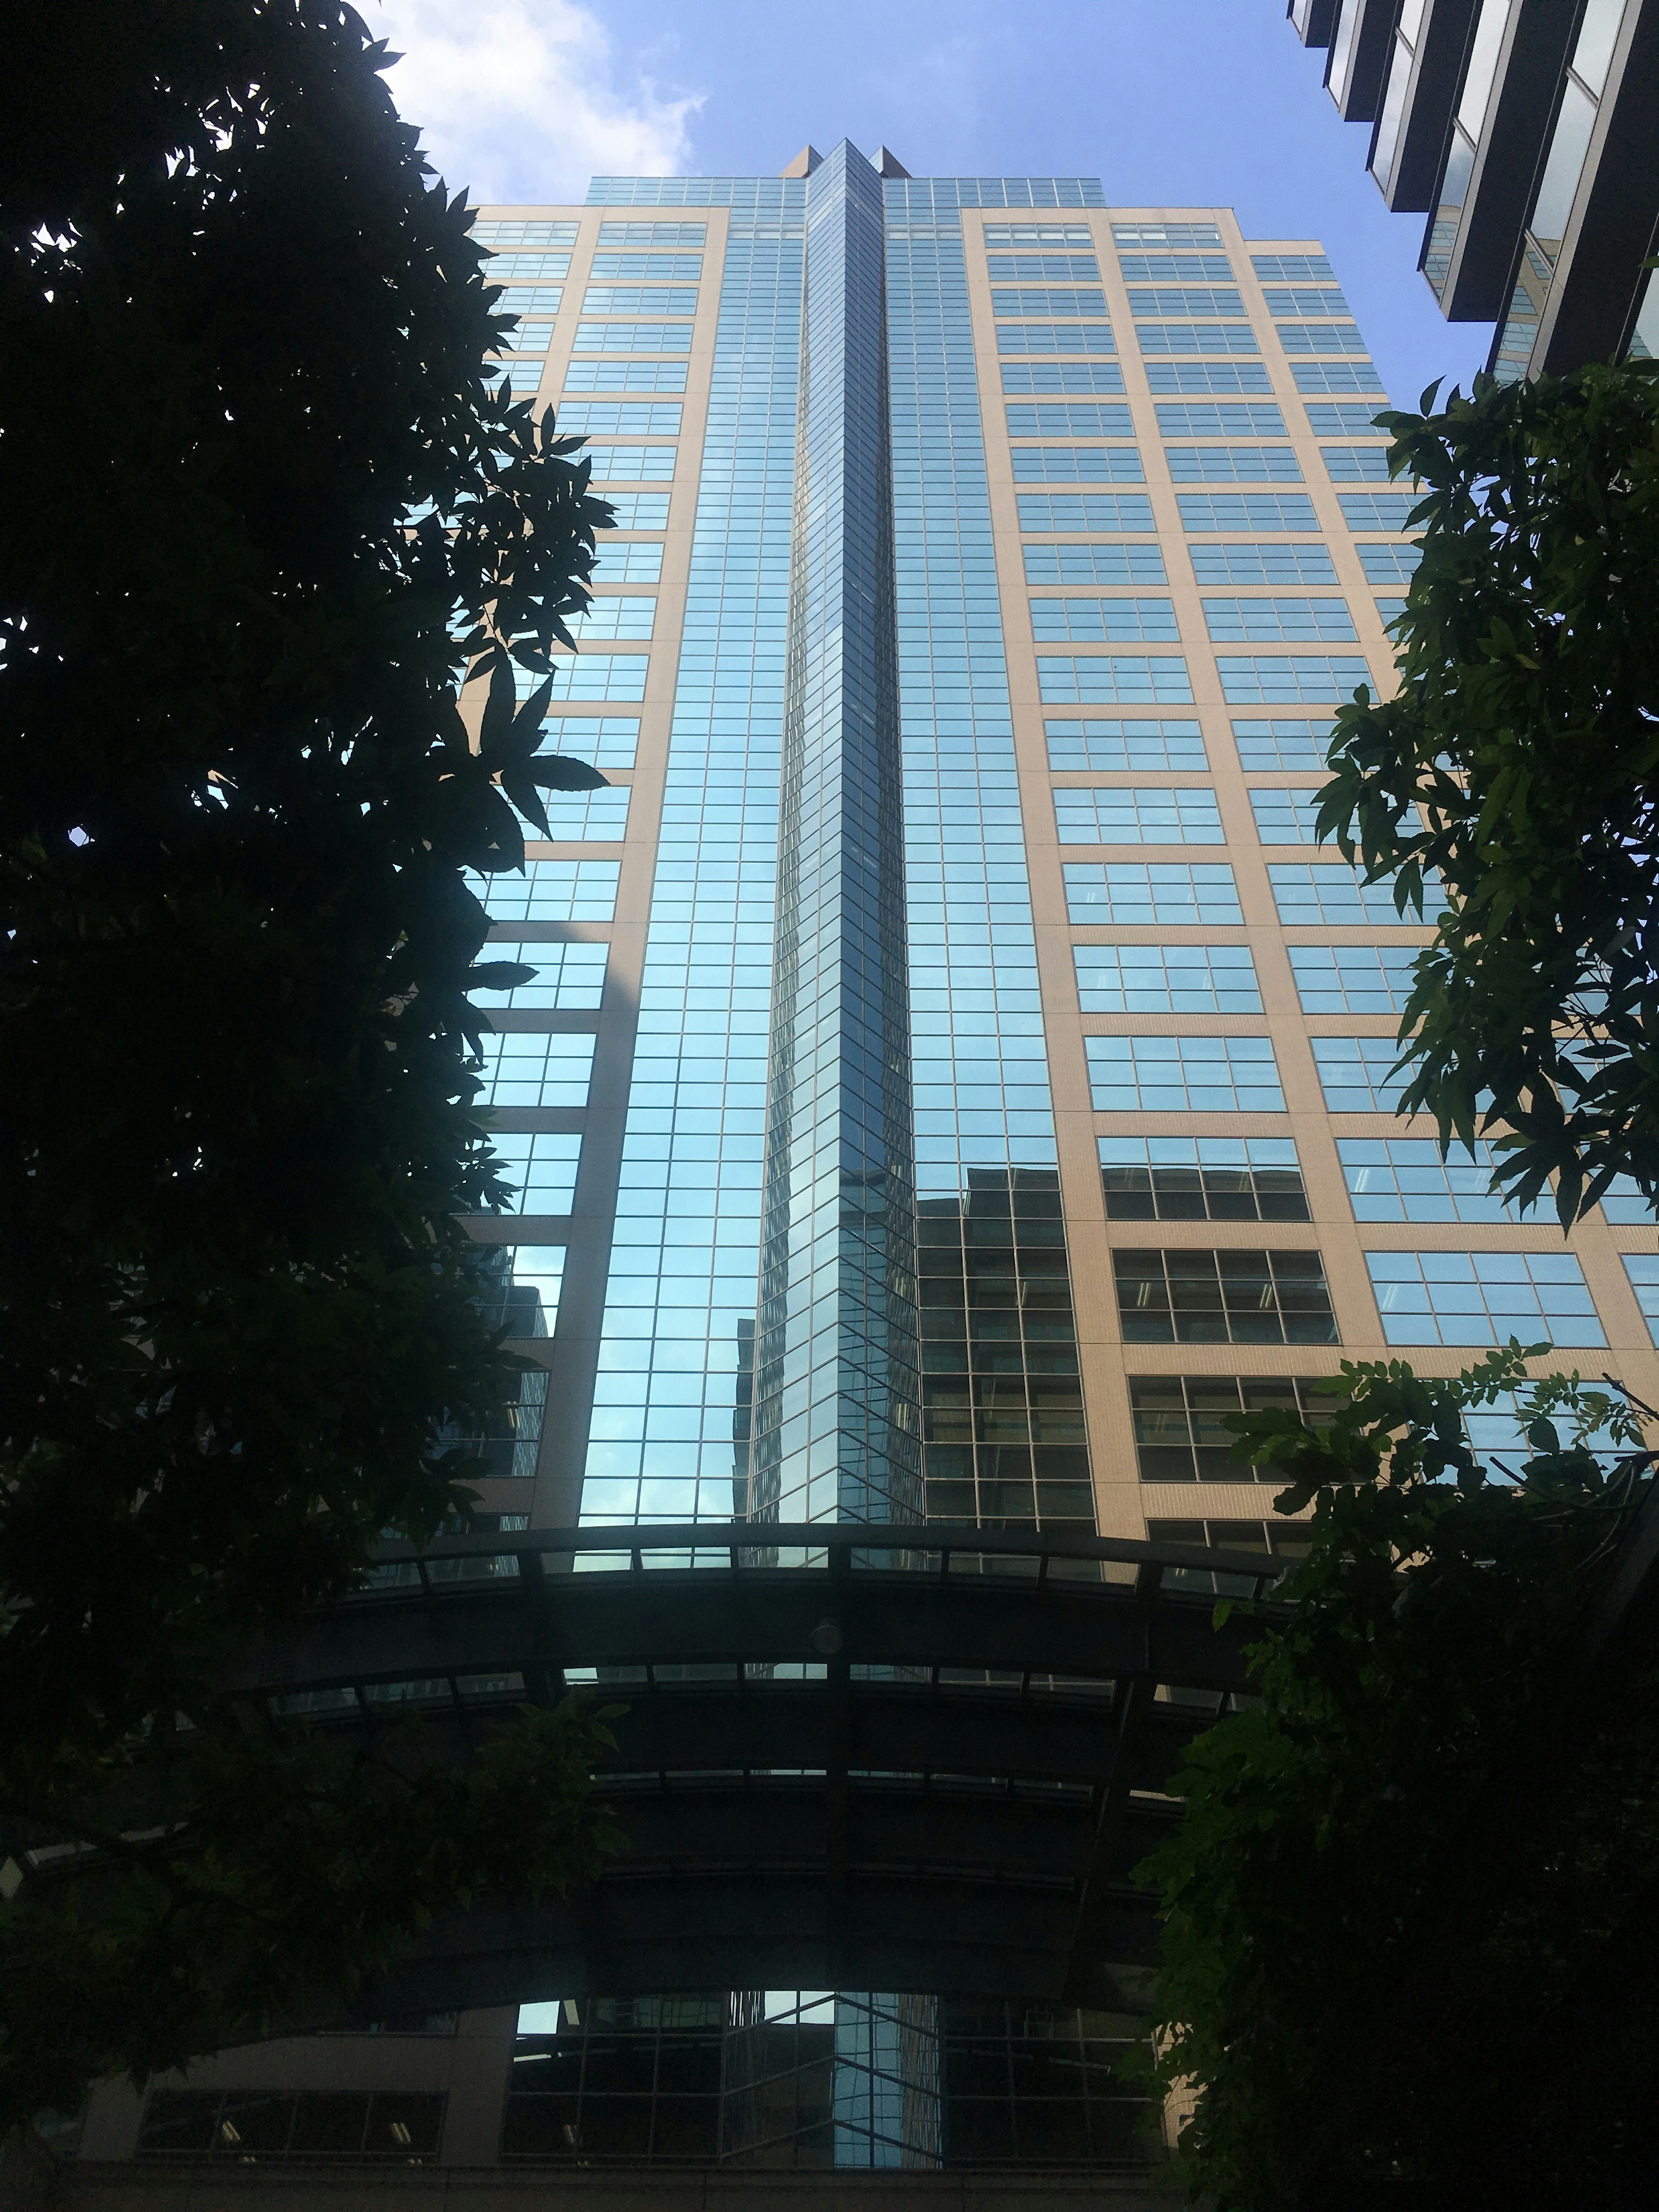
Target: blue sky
1167, 102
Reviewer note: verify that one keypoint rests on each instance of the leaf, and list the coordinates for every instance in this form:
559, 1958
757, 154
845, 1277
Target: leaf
499, 975
554, 772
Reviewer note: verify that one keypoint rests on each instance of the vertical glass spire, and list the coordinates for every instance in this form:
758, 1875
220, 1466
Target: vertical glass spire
836, 1400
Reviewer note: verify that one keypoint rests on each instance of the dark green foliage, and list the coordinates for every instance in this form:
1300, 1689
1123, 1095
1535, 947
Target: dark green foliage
296, 1867
1527, 732
1414, 1900
242, 341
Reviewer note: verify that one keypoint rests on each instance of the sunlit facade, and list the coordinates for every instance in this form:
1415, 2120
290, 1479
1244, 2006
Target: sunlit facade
953, 1078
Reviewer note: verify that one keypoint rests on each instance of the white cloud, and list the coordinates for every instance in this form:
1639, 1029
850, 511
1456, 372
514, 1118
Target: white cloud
524, 99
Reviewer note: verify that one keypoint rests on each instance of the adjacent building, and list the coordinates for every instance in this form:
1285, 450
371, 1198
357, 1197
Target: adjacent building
954, 1079
1527, 131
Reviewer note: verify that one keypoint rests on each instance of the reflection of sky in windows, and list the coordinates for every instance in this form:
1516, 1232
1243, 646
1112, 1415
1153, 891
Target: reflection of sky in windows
1285, 742
1292, 619
1285, 677
1137, 814
1094, 564
1624, 1201
1166, 979
1354, 1073
550, 890
1097, 621
1137, 892
1284, 563
593, 676
1089, 510
1286, 816
604, 740
981, 1095
1183, 1074
518, 1286
624, 376
1325, 893
1353, 978
1109, 679
627, 561
1483, 1297
541, 1168
530, 1068
1405, 1179
586, 816
1232, 464
569, 978
630, 615
1496, 1429
1078, 464
1643, 1268
1148, 742
1389, 564
676, 1347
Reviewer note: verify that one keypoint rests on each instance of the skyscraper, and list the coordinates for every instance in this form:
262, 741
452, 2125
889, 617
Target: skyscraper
953, 1078
1525, 131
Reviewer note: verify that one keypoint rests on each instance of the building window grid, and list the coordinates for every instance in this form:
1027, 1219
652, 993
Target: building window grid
1183, 1074
534, 1068
1291, 621
1335, 376
1356, 1074
254, 2126
1137, 814
604, 741
983, 1106
1286, 562
1077, 465
1004, 1437
1091, 621
1233, 465
540, 1166
1201, 1179
676, 1350
1317, 679
1353, 978
1283, 742
1212, 376
1110, 679
1196, 337
1129, 513
1142, 742
569, 978
1069, 419
1131, 893
1061, 376
814, 2079
1175, 268
1094, 563
1179, 1422
1204, 513
1166, 979
1643, 1270
1319, 892
1483, 1297
1286, 814
1235, 1296
1406, 1179
551, 890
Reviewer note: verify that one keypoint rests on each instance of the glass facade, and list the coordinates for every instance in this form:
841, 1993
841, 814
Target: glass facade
837, 1420
954, 1077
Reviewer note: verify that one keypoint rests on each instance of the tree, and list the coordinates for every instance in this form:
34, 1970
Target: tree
1412, 1909
1517, 763
263, 509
